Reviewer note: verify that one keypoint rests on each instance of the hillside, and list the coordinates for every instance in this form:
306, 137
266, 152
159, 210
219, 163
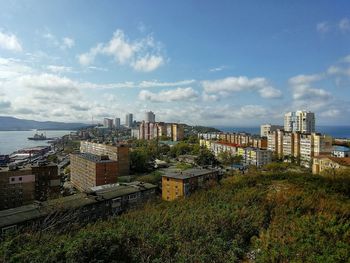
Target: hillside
14, 124
270, 217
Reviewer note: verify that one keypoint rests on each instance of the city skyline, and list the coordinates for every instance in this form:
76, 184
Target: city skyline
227, 63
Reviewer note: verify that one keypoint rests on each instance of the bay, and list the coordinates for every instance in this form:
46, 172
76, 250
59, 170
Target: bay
11, 141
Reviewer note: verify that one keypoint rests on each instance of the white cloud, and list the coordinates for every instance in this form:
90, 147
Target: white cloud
305, 79
11, 68
323, 27
344, 25
142, 55
236, 84
338, 70
179, 94
67, 42
217, 69
148, 63
9, 42
210, 97
59, 69
155, 83
331, 113
306, 96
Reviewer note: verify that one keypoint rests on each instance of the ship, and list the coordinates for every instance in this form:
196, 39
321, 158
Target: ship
39, 137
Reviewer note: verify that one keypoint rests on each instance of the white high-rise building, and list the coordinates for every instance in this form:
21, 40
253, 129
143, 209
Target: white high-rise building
299, 121
129, 120
266, 128
117, 123
150, 116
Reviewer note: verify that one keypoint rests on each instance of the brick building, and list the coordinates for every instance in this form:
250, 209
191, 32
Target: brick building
89, 170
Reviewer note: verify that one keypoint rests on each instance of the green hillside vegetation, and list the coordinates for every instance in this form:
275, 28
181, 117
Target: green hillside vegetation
281, 217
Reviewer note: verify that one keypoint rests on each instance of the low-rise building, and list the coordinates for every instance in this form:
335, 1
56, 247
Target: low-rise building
100, 202
322, 163
341, 151
182, 184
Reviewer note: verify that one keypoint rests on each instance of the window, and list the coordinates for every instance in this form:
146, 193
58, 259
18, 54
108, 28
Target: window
20, 178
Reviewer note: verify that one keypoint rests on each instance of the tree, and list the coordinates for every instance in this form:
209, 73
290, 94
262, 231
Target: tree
206, 157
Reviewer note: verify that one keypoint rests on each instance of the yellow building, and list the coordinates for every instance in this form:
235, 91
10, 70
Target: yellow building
182, 184
322, 163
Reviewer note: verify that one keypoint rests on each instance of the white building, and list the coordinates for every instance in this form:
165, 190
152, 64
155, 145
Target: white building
108, 123
299, 121
266, 128
341, 151
150, 116
129, 120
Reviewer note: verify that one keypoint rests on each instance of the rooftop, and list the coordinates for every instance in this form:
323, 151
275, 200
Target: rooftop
341, 148
195, 172
32, 211
95, 158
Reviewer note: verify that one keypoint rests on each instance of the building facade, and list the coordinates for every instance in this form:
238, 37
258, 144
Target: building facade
117, 123
266, 128
101, 202
129, 120
182, 184
301, 147
331, 163
119, 153
299, 121
90, 170
108, 123
20, 186
150, 116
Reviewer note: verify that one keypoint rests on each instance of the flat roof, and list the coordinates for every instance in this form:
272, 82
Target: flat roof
95, 158
341, 148
29, 212
190, 173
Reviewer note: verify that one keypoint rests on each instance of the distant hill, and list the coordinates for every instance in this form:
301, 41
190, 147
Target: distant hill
14, 124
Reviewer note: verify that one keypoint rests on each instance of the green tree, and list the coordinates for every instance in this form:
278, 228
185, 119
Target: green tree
206, 157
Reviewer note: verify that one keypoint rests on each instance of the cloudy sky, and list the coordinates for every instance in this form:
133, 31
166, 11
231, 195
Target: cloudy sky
227, 63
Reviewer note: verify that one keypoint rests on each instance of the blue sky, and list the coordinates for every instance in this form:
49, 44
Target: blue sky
233, 63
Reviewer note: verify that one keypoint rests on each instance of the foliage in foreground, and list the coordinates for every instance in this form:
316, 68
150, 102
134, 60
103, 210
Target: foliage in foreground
272, 218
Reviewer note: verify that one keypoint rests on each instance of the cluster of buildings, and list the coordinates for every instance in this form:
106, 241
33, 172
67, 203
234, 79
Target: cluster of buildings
252, 149
98, 164
149, 129
296, 141
116, 124
23, 185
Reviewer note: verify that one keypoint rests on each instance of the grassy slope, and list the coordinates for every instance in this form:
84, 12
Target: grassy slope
275, 218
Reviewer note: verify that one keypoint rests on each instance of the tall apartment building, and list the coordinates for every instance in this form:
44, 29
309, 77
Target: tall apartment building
150, 116
266, 128
108, 123
250, 155
119, 153
117, 123
89, 170
155, 130
129, 120
299, 121
20, 186
303, 146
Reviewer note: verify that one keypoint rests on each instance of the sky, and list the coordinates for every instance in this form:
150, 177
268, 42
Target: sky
227, 63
